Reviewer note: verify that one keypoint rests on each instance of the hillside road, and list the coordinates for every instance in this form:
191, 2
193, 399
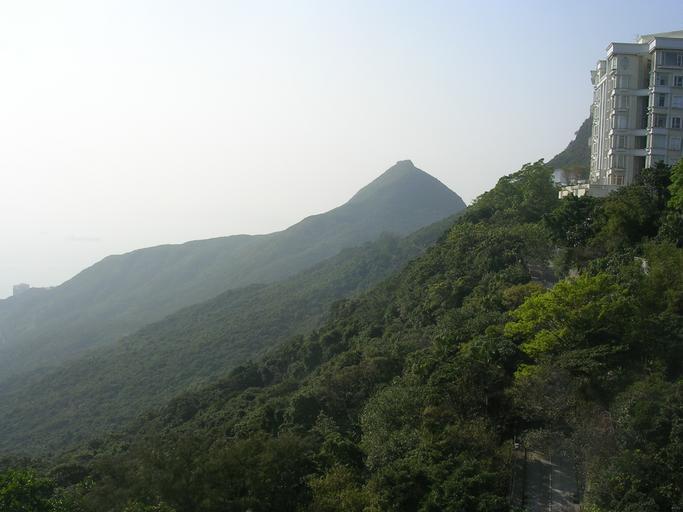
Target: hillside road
550, 483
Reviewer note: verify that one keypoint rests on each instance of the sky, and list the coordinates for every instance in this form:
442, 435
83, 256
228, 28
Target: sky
133, 123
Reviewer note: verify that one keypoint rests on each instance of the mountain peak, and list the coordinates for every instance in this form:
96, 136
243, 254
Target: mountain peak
405, 163
401, 182
122, 293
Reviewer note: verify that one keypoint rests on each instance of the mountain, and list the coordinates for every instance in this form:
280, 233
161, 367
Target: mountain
576, 156
120, 294
108, 387
416, 394
537, 336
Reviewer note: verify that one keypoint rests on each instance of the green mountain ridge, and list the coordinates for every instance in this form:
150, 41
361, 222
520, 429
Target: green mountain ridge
577, 153
410, 397
108, 387
120, 294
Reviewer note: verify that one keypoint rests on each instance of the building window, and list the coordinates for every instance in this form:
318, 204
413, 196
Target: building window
661, 100
659, 121
675, 144
620, 141
619, 161
672, 59
662, 79
616, 179
622, 101
659, 141
620, 122
622, 82
676, 123
678, 81
677, 101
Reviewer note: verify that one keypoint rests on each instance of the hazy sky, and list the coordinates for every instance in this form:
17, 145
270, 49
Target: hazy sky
126, 124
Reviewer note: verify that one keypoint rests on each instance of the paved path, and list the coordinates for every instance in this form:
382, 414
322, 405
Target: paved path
550, 483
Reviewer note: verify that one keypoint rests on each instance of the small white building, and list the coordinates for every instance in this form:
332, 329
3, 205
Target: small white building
637, 111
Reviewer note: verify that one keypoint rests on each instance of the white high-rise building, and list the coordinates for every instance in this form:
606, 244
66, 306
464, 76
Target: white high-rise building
637, 111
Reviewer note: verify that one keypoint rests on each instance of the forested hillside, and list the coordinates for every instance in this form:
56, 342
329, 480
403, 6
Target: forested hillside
576, 157
121, 294
107, 388
534, 319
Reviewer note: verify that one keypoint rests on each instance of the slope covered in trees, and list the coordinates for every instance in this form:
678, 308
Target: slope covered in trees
110, 386
409, 397
120, 294
576, 157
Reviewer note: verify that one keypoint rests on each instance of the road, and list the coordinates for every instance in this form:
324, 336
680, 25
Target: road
550, 483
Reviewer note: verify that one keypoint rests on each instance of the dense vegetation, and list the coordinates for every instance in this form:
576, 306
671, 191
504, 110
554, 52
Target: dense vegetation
409, 396
107, 388
121, 294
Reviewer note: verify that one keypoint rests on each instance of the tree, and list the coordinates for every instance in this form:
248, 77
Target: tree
572, 223
259, 473
646, 472
586, 326
25, 491
656, 181
338, 490
628, 216
575, 313
524, 196
676, 187
390, 423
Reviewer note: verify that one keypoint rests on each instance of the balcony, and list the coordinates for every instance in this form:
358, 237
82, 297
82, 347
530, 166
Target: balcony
656, 130
657, 109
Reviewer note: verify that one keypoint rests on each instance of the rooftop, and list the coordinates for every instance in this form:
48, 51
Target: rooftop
676, 34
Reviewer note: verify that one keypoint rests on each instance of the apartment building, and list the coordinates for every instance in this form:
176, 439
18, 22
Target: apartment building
637, 111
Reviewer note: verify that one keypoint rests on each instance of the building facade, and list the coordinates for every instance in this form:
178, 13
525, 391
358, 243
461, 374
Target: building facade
637, 111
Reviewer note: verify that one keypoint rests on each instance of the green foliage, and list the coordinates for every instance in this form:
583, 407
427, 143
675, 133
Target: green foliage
471, 485
590, 315
646, 471
572, 223
656, 182
25, 491
390, 422
576, 156
629, 215
339, 490
676, 186
108, 388
524, 196
409, 395
261, 473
